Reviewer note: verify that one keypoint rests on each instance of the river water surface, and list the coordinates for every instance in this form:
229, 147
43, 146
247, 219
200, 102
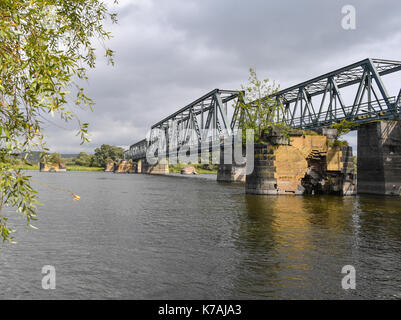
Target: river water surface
173, 237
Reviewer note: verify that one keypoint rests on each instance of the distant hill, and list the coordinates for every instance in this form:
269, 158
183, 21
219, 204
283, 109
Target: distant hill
33, 157
69, 155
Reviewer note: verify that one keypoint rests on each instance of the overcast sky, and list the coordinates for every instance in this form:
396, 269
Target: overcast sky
170, 52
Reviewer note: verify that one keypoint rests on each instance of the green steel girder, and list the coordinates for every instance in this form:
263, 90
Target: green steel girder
301, 113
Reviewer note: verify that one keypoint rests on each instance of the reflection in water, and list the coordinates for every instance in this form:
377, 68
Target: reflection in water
276, 235
300, 243
380, 216
155, 237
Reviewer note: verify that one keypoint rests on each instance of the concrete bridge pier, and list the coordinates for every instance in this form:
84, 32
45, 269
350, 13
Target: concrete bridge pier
230, 172
262, 181
160, 168
379, 158
138, 168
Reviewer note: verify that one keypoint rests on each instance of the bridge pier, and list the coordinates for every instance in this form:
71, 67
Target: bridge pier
379, 158
138, 168
262, 180
124, 166
230, 172
306, 164
160, 168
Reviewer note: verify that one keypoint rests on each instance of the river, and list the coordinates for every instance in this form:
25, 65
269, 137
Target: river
134, 236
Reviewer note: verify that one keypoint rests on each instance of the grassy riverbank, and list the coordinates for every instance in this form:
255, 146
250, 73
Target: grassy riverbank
72, 166
26, 167
69, 168
83, 168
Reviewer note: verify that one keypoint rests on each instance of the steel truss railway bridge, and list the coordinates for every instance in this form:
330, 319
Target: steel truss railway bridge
313, 104
355, 93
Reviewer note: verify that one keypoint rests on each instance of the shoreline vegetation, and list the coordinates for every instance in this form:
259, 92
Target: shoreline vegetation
72, 162
95, 162
69, 168
173, 168
71, 165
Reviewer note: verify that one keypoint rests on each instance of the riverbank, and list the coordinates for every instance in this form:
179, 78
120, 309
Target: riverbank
69, 168
173, 168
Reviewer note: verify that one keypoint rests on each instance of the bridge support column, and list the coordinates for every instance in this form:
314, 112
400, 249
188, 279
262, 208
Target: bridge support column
160, 168
230, 172
262, 180
124, 166
139, 166
304, 164
379, 158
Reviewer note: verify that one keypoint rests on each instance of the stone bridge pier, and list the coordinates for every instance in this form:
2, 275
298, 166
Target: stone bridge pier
379, 158
161, 167
138, 167
232, 171
301, 164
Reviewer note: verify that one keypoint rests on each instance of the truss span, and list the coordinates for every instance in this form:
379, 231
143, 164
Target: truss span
320, 102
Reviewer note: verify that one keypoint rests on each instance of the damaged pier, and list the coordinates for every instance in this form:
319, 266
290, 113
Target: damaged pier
301, 164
